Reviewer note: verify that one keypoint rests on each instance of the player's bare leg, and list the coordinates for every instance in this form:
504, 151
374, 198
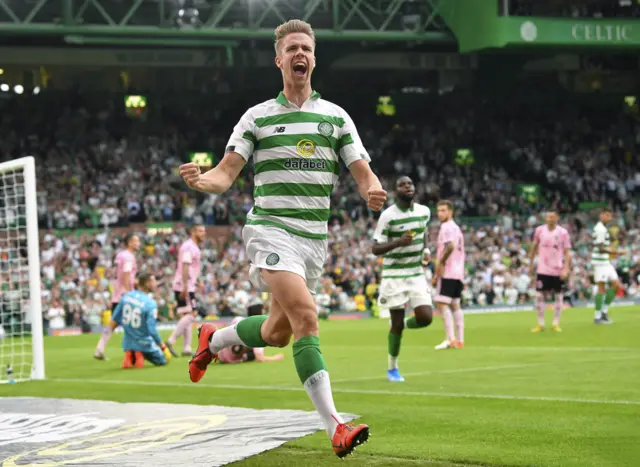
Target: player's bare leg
290, 293
601, 315
557, 311
102, 343
458, 320
540, 304
184, 323
187, 335
447, 318
610, 295
249, 332
393, 344
422, 317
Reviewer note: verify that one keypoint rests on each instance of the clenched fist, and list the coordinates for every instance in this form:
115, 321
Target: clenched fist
406, 239
191, 174
376, 198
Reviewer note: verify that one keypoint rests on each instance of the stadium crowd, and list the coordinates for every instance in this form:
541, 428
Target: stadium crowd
97, 170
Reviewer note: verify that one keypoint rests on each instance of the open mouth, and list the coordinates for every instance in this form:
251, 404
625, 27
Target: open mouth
300, 68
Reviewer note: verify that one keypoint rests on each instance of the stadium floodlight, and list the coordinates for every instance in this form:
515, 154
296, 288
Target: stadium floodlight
187, 15
4, 87
21, 335
18, 89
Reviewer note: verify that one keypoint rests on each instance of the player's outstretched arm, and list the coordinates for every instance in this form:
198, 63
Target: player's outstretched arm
267, 358
153, 329
217, 180
368, 184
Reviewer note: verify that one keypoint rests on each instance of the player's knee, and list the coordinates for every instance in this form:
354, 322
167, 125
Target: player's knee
424, 316
278, 338
276, 333
303, 317
305, 324
396, 327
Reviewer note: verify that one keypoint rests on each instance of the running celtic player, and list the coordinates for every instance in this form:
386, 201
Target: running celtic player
604, 274
297, 142
400, 238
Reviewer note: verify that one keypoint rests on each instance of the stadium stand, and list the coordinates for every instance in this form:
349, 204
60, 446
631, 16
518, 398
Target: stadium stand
100, 176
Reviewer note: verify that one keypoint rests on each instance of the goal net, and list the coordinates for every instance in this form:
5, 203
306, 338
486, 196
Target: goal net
21, 339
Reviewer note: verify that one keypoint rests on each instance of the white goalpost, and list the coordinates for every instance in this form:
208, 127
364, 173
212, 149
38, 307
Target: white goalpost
21, 338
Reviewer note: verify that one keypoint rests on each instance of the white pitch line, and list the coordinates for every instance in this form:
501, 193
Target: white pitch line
437, 372
349, 391
470, 347
485, 368
559, 349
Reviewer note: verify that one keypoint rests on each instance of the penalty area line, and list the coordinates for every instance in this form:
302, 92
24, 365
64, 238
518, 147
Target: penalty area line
374, 392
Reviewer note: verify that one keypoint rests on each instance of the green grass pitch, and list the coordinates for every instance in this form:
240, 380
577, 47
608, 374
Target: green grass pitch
510, 398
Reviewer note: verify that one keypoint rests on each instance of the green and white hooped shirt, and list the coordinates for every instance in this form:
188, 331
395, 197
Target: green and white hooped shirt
406, 261
600, 238
296, 155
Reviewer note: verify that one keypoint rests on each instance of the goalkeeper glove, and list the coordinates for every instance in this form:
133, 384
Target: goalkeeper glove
165, 351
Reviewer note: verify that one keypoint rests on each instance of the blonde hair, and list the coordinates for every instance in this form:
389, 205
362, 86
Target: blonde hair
291, 27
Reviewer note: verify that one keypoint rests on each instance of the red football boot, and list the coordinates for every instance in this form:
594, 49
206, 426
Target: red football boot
198, 364
127, 361
347, 438
139, 360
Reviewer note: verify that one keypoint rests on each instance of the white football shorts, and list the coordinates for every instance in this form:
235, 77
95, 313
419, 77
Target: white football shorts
277, 250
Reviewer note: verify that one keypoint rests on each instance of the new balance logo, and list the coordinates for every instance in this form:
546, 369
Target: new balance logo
279, 129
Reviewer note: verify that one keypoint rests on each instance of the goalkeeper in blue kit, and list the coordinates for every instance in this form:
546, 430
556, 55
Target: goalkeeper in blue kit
136, 313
